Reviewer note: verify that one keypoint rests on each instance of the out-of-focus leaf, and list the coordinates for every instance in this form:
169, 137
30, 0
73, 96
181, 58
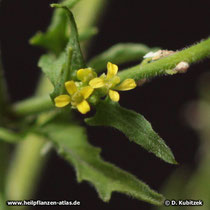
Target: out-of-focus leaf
88, 33
56, 36
72, 144
174, 189
198, 186
134, 126
4, 162
120, 53
3, 201
9, 136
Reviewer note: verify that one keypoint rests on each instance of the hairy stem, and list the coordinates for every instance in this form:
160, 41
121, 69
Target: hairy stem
190, 55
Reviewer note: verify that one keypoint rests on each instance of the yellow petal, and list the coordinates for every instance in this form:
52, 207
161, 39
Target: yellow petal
96, 82
114, 95
83, 107
71, 87
115, 80
127, 84
85, 75
86, 91
111, 70
62, 100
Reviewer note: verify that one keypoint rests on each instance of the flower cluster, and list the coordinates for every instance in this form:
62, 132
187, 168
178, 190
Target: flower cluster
89, 84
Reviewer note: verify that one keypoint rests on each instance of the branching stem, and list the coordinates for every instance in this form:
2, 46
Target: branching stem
190, 55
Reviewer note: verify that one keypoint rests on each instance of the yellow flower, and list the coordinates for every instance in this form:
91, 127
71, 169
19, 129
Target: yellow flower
110, 82
77, 97
85, 75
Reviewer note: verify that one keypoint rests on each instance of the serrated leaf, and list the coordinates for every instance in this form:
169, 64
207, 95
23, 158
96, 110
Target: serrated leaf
120, 53
61, 69
77, 60
56, 36
134, 126
72, 144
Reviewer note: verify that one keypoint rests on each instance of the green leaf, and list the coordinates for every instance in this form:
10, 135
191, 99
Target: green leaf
119, 54
88, 34
56, 70
134, 126
61, 69
52, 67
77, 60
72, 144
56, 36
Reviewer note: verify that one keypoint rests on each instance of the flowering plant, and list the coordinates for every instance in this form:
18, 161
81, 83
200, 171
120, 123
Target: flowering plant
78, 86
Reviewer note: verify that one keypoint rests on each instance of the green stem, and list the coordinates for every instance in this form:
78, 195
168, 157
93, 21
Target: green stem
2, 201
4, 147
190, 55
27, 163
33, 105
4, 161
8, 135
87, 13
25, 168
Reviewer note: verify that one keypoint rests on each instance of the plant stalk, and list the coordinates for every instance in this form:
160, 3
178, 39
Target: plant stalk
9, 136
25, 168
27, 163
4, 147
33, 105
190, 55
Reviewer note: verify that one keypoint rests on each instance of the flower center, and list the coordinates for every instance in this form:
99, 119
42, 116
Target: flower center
77, 98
